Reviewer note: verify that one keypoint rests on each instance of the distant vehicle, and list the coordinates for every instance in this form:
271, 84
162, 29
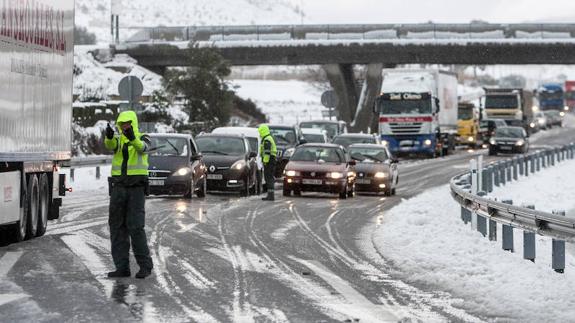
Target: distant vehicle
356, 138
554, 118
36, 113
319, 168
287, 138
333, 128
231, 165
489, 126
315, 135
469, 130
551, 97
569, 95
176, 166
418, 111
376, 170
509, 140
253, 137
513, 105
541, 120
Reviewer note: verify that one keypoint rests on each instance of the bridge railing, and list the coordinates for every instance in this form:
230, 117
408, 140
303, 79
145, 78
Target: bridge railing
484, 213
365, 32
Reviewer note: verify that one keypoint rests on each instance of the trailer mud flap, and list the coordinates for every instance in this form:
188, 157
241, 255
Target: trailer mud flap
55, 209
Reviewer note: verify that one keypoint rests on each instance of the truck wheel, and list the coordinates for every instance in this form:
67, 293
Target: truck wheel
203, 189
33, 206
19, 228
286, 192
44, 205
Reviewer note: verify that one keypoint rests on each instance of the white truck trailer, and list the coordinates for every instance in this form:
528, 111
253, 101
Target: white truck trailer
418, 111
36, 50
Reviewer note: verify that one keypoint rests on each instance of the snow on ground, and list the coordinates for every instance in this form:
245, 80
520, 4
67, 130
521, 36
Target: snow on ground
85, 178
284, 102
432, 247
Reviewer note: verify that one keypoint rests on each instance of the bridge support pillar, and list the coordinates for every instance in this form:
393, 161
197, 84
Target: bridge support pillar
342, 81
365, 117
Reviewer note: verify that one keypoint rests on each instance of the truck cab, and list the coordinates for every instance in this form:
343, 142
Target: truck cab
468, 125
551, 97
503, 104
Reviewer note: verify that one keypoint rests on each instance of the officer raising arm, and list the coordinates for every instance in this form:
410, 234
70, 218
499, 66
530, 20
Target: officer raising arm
127, 197
268, 151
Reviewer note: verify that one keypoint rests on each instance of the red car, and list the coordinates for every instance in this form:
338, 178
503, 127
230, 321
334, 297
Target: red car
319, 168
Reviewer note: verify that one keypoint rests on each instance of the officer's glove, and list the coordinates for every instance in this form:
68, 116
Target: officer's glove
109, 132
129, 133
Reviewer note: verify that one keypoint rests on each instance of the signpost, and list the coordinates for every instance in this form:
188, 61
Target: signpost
329, 100
130, 89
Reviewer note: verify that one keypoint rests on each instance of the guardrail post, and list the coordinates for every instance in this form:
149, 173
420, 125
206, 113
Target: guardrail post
507, 231
465, 215
496, 174
538, 161
508, 165
98, 174
526, 160
502, 172
558, 251
521, 165
544, 159
485, 179
481, 221
532, 162
515, 163
490, 179
529, 242
552, 152
492, 230
72, 174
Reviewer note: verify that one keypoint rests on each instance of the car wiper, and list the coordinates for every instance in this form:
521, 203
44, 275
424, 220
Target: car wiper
176, 149
214, 152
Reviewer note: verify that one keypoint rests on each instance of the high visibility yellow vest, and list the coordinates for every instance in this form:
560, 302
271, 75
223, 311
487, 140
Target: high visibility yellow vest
137, 149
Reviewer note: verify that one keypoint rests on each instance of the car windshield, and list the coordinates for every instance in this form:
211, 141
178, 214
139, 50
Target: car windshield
501, 102
165, 146
319, 155
221, 145
253, 142
551, 95
346, 141
507, 132
330, 128
404, 106
465, 113
368, 154
284, 136
314, 138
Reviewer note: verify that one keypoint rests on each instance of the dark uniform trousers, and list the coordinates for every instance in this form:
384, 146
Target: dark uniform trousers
127, 221
269, 171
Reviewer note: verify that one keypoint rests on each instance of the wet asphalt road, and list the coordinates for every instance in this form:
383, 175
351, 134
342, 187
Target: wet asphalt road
226, 258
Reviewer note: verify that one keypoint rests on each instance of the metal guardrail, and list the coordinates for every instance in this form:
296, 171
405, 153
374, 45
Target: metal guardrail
94, 161
348, 31
531, 221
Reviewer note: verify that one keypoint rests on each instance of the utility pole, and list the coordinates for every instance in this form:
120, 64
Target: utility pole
115, 10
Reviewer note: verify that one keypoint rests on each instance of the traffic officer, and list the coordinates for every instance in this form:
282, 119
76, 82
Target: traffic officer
268, 151
128, 186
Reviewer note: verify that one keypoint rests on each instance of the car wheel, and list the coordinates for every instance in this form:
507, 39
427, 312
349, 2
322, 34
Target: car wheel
393, 191
202, 191
246, 190
190, 193
286, 192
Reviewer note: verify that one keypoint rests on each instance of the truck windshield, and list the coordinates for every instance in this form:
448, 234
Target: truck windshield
501, 102
284, 136
404, 106
465, 113
551, 96
570, 95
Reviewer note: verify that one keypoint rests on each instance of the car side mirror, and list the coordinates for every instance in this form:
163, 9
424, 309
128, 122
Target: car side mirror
302, 141
352, 163
196, 157
252, 154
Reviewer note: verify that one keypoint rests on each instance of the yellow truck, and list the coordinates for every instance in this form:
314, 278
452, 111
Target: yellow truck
468, 125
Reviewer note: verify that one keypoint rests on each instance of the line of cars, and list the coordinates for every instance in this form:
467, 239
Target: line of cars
227, 159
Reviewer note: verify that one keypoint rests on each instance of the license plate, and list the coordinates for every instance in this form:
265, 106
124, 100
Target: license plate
215, 176
505, 148
363, 181
156, 182
311, 181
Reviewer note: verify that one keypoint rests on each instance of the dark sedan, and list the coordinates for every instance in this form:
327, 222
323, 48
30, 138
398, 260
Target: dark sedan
356, 138
509, 140
376, 171
319, 168
176, 166
231, 165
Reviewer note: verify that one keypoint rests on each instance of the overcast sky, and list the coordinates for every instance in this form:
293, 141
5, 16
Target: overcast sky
452, 11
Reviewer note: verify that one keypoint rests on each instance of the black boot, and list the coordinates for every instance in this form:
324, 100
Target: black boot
143, 273
270, 197
119, 274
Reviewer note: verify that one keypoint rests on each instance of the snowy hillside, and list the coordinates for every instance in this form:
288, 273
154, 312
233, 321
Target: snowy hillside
95, 14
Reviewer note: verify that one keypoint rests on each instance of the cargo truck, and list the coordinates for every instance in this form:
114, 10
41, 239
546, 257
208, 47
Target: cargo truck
551, 97
418, 111
36, 112
569, 95
513, 105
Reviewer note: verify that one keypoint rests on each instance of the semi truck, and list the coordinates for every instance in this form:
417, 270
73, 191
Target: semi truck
513, 105
36, 112
418, 111
569, 95
550, 97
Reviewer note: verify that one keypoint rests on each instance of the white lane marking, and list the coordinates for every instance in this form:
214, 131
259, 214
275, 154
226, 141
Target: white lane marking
357, 305
8, 261
73, 228
9, 298
186, 228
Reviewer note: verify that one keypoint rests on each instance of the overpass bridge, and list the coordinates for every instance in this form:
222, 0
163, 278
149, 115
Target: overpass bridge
338, 47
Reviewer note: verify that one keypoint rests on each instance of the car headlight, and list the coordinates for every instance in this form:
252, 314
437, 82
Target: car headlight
562, 113
532, 125
380, 175
566, 108
520, 142
335, 175
182, 171
350, 174
292, 173
239, 165
492, 141
288, 152
384, 143
427, 142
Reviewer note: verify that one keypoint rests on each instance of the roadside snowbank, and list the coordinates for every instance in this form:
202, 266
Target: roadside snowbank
428, 243
85, 179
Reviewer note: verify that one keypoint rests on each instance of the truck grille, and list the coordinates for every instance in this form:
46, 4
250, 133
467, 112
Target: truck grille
405, 128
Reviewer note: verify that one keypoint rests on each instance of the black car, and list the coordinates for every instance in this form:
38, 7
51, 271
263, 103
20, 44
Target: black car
488, 126
175, 166
376, 170
356, 138
286, 138
231, 165
509, 140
